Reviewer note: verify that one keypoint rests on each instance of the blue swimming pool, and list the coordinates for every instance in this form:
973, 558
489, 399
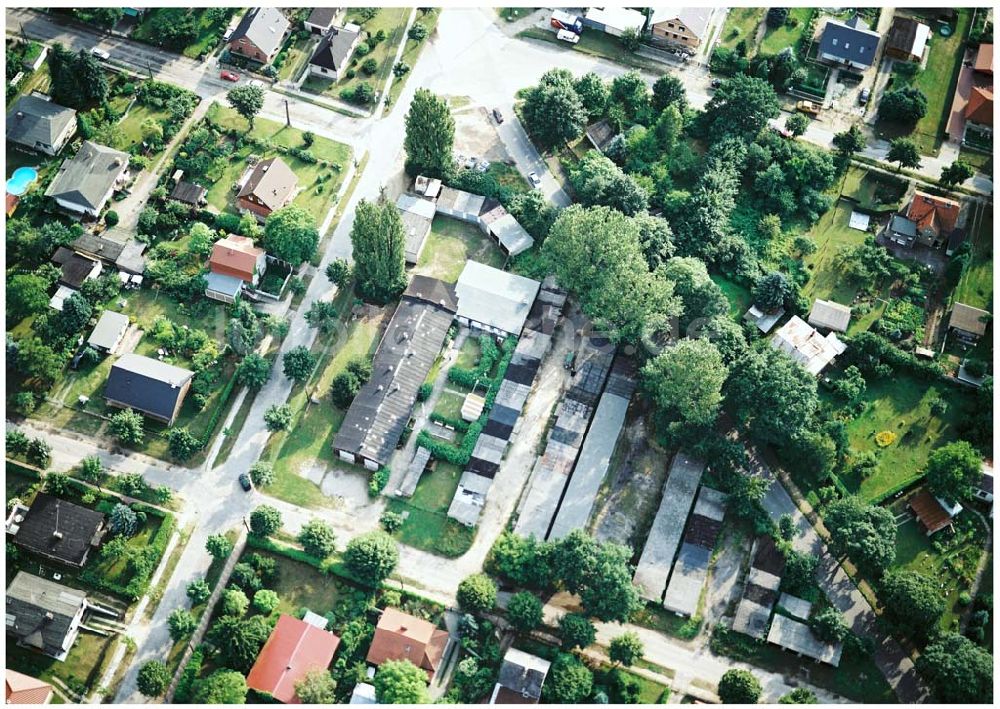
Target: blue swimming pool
22, 178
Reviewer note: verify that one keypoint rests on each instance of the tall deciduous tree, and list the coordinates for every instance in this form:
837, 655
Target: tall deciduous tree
685, 381
598, 181
153, 678
956, 173
247, 100
569, 681
906, 105
378, 240
593, 93
958, 671
430, 135
668, 90
553, 111
904, 151
401, 682
739, 687
912, 600
372, 557
316, 687
849, 141
952, 470
701, 296
220, 687
290, 233
771, 394
741, 106
865, 533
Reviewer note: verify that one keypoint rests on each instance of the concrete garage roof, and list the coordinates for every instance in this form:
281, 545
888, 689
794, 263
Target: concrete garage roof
798, 607
592, 465
799, 638
493, 297
412, 341
687, 580
665, 534
751, 619
417, 215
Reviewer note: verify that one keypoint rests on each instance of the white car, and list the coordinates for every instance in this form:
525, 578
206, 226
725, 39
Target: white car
471, 162
100, 54
534, 179
258, 83
483, 166
568, 36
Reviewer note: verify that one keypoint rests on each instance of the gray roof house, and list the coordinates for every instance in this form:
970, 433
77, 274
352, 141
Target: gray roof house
125, 256
109, 331
334, 52
521, 678
56, 529
379, 413
417, 214
44, 615
320, 19
493, 300
849, 43
151, 387
260, 34
85, 182
40, 125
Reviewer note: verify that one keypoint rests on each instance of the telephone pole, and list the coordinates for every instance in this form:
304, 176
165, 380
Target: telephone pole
288, 116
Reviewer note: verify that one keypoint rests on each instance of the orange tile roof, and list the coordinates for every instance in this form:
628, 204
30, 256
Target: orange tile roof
400, 636
12, 201
984, 59
294, 649
235, 256
980, 107
22, 689
936, 213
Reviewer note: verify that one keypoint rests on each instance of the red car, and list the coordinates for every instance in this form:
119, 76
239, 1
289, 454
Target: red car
229, 75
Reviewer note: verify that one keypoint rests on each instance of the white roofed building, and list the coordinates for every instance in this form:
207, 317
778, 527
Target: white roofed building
805, 345
493, 300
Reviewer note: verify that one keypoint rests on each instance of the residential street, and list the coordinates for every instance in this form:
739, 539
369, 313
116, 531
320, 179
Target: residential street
470, 55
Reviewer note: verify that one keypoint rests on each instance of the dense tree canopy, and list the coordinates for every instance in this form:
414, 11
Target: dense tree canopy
685, 381
524, 611
741, 106
430, 135
598, 181
739, 687
553, 112
626, 649
379, 239
317, 538
477, 594
952, 470
576, 631
959, 671
247, 100
220, 687
401, 682
865, 533
906, 105
913, 601
290, 234
372, 557
568, 682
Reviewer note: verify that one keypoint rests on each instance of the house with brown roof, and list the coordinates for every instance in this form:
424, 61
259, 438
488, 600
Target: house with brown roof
684, 27
933, 513
934, 218
260, 34
907, 39
238, 257
22, 689
294, 649
268, 186
968, 323
400, 636
971, 117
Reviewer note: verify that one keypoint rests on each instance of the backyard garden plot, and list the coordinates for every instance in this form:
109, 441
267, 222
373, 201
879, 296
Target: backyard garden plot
789, 34
909, 413
741, 26
427, 525
937, 82
873, 191
949, 557
318, 182
383, 32
831, 234
975, 287
428, 17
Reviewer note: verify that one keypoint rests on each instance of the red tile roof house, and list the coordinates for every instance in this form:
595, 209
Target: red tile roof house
268, 186
22, 689
972, 107
260, 34
294, 649
935, 218
234, 262
400, 636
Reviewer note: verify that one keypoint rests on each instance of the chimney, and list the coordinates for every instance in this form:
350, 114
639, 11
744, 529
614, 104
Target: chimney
57, 535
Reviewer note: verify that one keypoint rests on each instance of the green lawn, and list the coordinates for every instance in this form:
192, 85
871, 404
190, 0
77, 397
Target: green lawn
976, 285
468, 355
450, 244
392, 21
131, 124
300, 585
314, 196
739, 296
872, 190
412, 50
948, 558
297, 55
449, 404
741, 24
980, 160
937, 82
83, 666
778, 39
831, 233
901, 404
310, 439
427, 525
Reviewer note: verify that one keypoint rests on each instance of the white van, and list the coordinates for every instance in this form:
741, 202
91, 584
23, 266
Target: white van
568, 36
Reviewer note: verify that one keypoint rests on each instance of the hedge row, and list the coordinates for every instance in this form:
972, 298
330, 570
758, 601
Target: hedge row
219, 410
182, 693
489, 354
457, 424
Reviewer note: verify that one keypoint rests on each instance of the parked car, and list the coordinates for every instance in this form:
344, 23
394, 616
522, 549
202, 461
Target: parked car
807, 107
471, 162
245, 482
497, 116
534, 180
258, 83
483, 166
229, 75
568, 36
100, 54
864, 95
715, 83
